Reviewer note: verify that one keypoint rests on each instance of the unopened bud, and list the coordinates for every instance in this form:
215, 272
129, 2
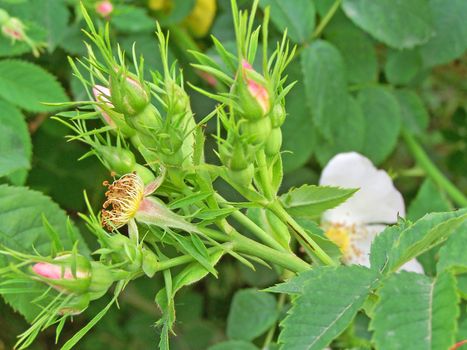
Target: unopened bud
101, 280
234, 157
121, 161
12, 28
128, 95
277, 115
253, 96
102, 94
273, 143
257, 131
242, 177
147, 121
104, 8
68, 273
76, 305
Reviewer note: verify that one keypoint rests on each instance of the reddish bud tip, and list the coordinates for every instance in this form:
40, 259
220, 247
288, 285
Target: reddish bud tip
104, 8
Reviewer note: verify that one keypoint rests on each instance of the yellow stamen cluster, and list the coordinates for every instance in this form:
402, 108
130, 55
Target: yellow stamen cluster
123, 199
340, 236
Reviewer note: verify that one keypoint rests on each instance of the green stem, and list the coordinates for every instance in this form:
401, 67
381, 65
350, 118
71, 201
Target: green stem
251, 226
246, 245
300, 233
431, 170
272, 330
264, 175
327, 18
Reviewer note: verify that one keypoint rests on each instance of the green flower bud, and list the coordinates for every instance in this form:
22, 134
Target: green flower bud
144, 173
252, 94
278, 115
234, 156
125, 251
177, 100
119, 160
274, 142
242, 177
147, 121
128, 95
67, 273
257, 131
101, 280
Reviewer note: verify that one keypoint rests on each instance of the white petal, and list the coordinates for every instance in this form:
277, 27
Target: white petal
413, 266
361, 241
376, 201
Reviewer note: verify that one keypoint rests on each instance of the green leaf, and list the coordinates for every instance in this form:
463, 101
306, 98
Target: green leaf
398, 244
15, 143
325, 85
297, 16
450, 39
298, 131
413, 112
131, 19
251, 314
21, 213
233, 345
27, 85
382, 113
397, 23
296, 284
402, 66
429, 199
452, 255
310, 200
322, 311
416, 312
356, 48
54, 16
348, 131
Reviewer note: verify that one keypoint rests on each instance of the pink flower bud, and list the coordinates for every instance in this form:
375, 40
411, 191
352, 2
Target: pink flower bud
102, 94
60, 276
252, 94
13, 28
104, 8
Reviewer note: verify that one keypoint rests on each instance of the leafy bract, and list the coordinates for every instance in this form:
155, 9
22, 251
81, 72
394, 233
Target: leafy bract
28, 86
310, 200
416, 312
251, 314
453, 254
400, 23
322, 311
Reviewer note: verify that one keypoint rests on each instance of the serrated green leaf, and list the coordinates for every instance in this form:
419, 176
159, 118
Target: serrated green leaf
398, 244
325, 85
251, 314
310, 200
297, 16
413, 112
54, 16
416, 312
382, 113
397, 23
27, 85
402, 66
356, 48
297, 283
21, 213
323, 311
450, 39
453, 254
15, 143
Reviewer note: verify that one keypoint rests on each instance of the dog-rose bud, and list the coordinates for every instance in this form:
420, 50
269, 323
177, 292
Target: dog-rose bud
102, 94
128, 95
253, 96
67, 273
104, 8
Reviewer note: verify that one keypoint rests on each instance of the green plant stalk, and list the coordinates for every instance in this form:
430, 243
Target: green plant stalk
326, 19
242, 244
300, 233
251, 226
432, 170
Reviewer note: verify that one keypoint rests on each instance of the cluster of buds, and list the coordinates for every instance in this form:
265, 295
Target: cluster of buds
14, 29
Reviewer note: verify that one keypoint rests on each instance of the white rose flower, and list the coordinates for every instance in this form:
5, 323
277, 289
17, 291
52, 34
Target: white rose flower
355, 223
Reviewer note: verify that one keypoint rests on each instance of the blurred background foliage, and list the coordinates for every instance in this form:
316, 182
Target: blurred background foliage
364, 74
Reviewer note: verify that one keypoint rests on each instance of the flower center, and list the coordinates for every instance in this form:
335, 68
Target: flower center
340, 236
123, 199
